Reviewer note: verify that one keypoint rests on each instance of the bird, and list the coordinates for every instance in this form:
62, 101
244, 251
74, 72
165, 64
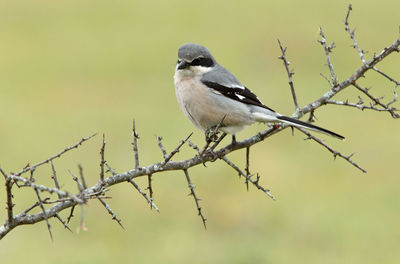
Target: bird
211, 96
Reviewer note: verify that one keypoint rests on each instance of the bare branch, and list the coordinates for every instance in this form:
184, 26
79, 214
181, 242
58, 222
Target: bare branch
63, 222
111, 212
164, 152
332, 150
290, 74
46, 189
80, 186
328, 49
196, 199
27, 210
10, 204
54, 177
360, 72
359, 106
84, 185
150, 201
216, 151
135, 136
44, 212
376, 101
33, 167
172, 153
110, 169
247, 169
71, 214
352, 35
194, 146
102, 161
150, 188
248, 178
360, 51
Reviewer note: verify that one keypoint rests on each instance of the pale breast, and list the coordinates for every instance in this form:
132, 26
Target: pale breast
206, 109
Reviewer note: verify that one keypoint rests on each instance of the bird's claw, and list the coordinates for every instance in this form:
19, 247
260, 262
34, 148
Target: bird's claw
210, 153
211, 134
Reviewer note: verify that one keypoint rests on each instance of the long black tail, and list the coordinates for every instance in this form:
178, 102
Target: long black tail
299, 123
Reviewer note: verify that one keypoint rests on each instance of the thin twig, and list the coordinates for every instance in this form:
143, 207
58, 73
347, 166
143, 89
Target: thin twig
376, 101
3, 173
54, 177
360, 51
82, 177
31, 174
332, 150
78, 183
63, 222
46, 189
111, 212
102, 160
196, 199
360, 72
290, 74
328, 49
71, 214
352, 35
248, 177
44, 213
164, 152
27, 210
135, 136
150, 188
172, 153
247, 168
358, 106
152, 204
110, 169
33, 167
194, 146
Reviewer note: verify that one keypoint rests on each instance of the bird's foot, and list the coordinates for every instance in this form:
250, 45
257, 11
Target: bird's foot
211, 134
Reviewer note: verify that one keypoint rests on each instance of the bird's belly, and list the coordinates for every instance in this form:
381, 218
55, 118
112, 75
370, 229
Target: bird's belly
206, 109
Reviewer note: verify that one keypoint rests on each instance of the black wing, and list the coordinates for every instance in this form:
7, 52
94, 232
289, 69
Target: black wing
241, 94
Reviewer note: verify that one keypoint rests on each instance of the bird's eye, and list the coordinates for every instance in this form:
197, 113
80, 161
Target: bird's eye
204, 62
179, 61
196, 62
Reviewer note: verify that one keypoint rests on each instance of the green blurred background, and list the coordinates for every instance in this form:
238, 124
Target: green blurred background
72, 68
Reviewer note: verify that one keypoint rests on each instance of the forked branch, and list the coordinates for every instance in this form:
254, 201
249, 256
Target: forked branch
53, 200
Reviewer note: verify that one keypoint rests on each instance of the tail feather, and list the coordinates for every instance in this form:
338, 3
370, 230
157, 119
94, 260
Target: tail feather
299, 123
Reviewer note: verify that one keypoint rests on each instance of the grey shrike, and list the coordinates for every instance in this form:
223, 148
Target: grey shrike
208, 93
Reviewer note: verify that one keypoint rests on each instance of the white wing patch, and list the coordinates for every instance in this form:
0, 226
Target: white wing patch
215, 91
235, 86
241, 97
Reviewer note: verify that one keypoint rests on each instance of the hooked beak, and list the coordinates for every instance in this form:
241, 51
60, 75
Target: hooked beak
183, 65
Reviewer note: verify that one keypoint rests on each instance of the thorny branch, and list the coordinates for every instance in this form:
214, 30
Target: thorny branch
135, 136
333, 151
111, 212
51, 206
196, 199
290, 73
102, 161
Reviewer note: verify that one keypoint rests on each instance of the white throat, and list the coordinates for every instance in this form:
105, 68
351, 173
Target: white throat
192, 71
